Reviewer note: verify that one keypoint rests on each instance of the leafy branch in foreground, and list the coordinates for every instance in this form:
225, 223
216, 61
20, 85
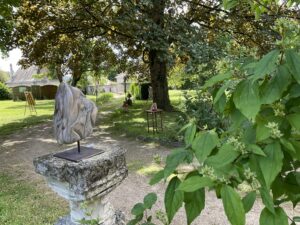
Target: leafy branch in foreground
260, 152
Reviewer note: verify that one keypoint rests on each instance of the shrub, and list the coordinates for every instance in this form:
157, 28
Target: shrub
199, 107
4, 92
135, 90
104, 98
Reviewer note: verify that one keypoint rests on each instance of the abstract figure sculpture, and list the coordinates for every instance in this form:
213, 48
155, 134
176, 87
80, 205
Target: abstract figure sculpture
74, 118
74, 115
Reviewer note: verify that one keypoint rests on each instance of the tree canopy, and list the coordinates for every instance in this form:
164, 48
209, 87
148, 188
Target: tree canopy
146, 32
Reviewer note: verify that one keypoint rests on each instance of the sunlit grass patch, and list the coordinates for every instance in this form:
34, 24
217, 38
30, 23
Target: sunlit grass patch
21, 203
149, 169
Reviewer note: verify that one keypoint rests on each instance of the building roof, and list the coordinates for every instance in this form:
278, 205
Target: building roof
25, 77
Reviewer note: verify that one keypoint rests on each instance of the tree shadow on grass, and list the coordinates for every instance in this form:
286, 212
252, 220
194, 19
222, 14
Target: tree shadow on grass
12, 127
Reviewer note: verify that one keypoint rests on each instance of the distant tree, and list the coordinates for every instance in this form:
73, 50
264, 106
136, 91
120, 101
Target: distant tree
4, 76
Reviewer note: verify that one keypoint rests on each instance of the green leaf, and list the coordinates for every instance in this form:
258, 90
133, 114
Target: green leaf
293, 63
229, 4
279, 218
266, 65
294, 91
194, 183
136, 220
248, 201
271, 164
233, 206
294, 120
267, 199
246, 98
296, 145
173, 198
149, 200
157, 177
215, 79
226, 155
276, 86
194, 204
138, 209
288, 146
255, 149
262, 132
204, 143
221, 91
237, 119
296, 218
190, 134
174, 159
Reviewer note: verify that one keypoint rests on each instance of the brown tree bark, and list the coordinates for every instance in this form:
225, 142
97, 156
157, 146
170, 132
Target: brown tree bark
75, 78
159, 82
158, 65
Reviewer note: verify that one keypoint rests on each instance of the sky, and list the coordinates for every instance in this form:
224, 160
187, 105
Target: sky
13, 58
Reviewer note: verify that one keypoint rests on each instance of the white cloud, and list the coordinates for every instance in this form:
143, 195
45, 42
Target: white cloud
13, 58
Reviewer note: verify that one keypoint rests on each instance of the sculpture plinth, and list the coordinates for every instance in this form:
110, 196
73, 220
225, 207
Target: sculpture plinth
85, 184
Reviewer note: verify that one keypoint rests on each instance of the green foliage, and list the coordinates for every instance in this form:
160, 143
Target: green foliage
7, 22
104, 98
199, 106
135, 90
260, 151
4, 92
4, 76
141, 210
173, 198
179, 78
194, 203
233, 205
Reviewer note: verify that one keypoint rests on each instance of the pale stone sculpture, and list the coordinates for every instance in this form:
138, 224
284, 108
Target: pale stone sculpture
74, 115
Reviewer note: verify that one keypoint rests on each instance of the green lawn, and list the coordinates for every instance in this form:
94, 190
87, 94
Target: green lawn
134, 123
22, 203
12, 116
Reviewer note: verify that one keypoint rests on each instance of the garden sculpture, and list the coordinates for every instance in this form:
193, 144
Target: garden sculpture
74, 118
74, 115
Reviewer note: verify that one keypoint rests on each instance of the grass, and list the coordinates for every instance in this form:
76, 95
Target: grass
22, 203
12, 116
134, 122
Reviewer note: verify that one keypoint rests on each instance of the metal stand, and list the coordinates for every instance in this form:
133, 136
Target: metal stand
76, 155
78, 146
154, 120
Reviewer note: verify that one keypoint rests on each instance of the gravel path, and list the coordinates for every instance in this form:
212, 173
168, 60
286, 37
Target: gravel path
18, 150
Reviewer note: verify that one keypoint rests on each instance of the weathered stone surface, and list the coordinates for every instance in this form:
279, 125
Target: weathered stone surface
74, 115
119, 219
90, 177
86, 183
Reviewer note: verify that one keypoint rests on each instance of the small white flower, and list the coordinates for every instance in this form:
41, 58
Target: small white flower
275, 132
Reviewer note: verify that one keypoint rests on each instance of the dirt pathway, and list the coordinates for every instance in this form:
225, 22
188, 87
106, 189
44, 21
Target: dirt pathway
18, 150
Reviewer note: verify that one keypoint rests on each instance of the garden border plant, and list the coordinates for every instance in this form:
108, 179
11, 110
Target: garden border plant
260, 152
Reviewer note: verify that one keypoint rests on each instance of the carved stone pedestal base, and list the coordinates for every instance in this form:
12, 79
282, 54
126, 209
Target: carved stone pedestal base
119, 219
86, 184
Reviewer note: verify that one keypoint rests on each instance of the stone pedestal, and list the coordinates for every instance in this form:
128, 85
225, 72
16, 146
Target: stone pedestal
86, 184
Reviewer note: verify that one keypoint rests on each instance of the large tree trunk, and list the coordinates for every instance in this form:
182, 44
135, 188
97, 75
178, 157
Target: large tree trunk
76, 74
75, 80
159, 82
158, 63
